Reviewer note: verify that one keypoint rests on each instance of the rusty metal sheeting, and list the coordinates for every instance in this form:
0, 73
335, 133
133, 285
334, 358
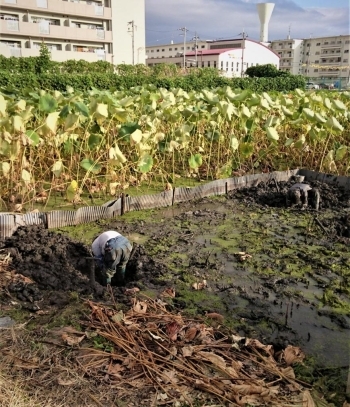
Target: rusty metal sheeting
9, 222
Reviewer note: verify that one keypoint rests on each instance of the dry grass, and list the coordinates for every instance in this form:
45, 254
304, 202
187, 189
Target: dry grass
147, 356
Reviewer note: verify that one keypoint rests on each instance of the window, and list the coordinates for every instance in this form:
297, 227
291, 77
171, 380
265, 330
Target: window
347, 41
188, 47
345, 60
208, 64
163, 50
182, 48
202, 64
318, 44
317, 53
346, 51
226, 64
202, 46
214, 64
157, 50
152, 50
317, 61
222, 64
170, 49
326, 43
315, 70
175, 49
338, 42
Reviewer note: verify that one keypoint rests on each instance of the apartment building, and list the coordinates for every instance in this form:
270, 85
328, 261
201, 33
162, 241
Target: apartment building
231, 57
91, 30
321, 58
290, 52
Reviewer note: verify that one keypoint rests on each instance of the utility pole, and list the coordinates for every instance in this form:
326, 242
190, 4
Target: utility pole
244, 36
195, 38
131, 29
184, 30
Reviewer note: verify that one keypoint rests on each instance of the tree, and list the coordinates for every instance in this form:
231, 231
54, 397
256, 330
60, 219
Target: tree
43, 62
265, 71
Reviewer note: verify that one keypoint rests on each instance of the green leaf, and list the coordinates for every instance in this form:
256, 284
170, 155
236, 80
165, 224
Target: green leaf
5, 168
340, 153
136, 137
65, 111
234, 143
308, 113
272, 134
333, 124
245, 111
47, 103
101, 110
127, 129
195, 161
286, 111
94, 141
51, 122
145, 163
90, 165
339, 105
246, 149
289, 142
71, 122
25, 176
82, 108
116, 154
3, 105
18, 125
33, 137
57, 168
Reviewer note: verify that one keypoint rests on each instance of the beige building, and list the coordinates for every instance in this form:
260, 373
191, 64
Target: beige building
322, 58
93, 30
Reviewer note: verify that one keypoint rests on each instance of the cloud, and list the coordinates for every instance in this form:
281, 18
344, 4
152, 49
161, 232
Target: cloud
213, 19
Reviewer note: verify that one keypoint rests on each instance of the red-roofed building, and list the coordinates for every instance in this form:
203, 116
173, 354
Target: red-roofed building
232, 57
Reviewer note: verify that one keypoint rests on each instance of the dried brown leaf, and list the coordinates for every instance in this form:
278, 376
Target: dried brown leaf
140, 307
191, 333
71, 340
254, 343
187, 351
168, 292
118, 317
293, 354
216, 360
199, 286
63, 382
215, 316
131, 291
288, 372
307, 399
172, 330
169, 376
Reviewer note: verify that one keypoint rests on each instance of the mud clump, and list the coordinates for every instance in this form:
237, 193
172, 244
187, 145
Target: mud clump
51, 260
54, 265
273, 194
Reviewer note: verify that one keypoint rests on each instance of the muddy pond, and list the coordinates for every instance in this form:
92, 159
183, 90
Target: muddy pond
276, 274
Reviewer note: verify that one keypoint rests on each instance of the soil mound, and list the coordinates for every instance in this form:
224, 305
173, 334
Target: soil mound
51, 262
273, 194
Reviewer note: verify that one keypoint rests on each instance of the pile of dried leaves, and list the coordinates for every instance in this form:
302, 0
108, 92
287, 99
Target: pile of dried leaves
175, 360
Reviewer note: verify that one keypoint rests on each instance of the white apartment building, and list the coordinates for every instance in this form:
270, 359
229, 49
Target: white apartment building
321, 58
91, 30
290, 52
231, 57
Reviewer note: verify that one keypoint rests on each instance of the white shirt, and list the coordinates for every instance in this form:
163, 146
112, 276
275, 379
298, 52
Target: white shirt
98, 245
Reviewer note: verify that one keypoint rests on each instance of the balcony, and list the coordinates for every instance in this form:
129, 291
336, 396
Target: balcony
60, 7
45, 30
330, 46
58, 56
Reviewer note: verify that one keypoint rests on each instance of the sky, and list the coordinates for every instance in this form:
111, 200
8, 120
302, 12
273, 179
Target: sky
219, 19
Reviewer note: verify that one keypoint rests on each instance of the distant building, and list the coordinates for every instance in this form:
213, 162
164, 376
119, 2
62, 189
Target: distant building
231, 57
321, 58
93, 30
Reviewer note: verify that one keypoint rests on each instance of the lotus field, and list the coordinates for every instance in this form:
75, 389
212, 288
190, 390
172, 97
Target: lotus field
105, 140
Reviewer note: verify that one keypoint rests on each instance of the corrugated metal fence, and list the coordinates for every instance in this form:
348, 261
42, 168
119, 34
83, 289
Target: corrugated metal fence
9, 222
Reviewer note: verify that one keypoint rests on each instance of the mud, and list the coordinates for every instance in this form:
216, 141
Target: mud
273, 194
294, 288
56, 266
